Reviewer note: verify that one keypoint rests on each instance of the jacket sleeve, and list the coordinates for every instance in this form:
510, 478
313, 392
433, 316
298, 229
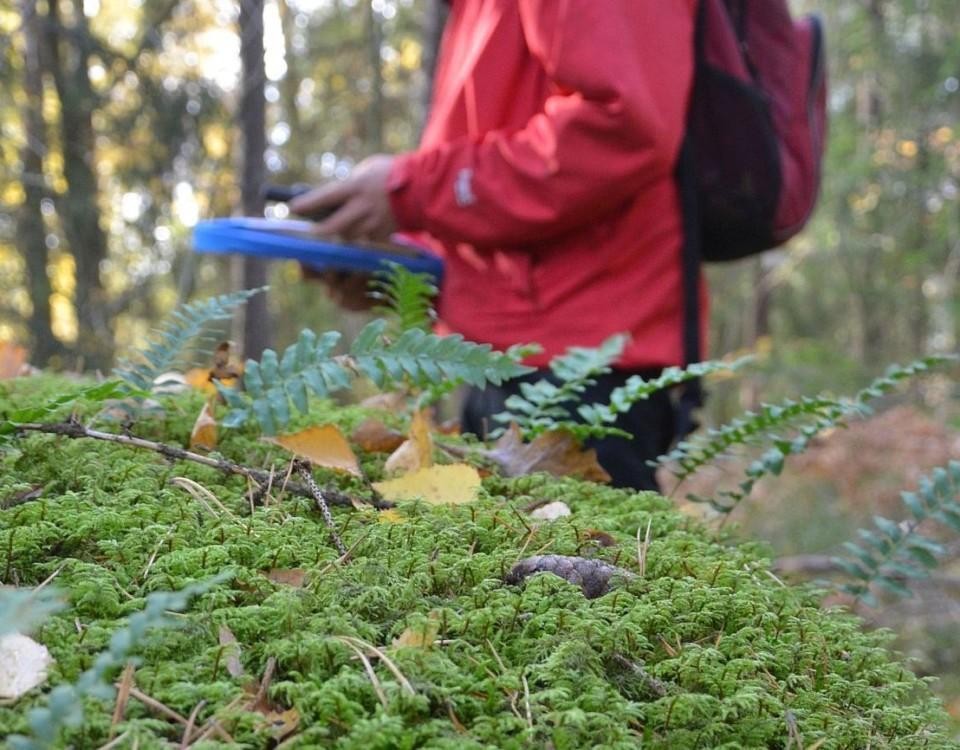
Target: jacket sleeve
620, 74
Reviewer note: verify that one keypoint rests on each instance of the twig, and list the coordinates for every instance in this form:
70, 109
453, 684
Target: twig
123, 695
264, 682
175, 453
303, 468
169, 713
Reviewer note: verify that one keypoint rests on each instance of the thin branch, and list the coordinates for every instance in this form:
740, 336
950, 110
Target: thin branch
175, 453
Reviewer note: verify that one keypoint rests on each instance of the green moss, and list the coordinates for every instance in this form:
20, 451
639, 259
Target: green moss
707, 650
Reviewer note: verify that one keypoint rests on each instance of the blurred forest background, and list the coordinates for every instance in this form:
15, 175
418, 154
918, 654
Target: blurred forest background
124, 122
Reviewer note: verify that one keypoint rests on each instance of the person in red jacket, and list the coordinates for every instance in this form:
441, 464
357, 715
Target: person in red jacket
545, 179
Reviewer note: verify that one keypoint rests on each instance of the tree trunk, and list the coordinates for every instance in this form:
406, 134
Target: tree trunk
256, 320
31, 231
78, 207
375, 111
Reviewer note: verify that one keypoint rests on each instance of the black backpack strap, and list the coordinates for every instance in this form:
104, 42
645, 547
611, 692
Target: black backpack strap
692, 395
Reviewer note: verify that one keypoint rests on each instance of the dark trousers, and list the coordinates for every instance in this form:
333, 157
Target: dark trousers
651, 422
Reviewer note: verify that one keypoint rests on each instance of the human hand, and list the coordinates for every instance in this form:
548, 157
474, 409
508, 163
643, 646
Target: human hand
348, 289
360, 203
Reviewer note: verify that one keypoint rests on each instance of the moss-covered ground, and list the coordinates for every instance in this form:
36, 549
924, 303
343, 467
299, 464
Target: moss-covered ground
707, 649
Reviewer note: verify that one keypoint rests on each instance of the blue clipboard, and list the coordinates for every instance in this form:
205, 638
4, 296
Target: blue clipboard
294, 240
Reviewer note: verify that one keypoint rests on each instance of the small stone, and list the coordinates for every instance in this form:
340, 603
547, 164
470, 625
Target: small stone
551, 511
23, 665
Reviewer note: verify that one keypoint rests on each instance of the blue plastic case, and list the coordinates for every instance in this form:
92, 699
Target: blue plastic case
292, 239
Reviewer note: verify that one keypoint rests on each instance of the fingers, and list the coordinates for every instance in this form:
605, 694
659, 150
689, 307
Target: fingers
346, 221
322, 199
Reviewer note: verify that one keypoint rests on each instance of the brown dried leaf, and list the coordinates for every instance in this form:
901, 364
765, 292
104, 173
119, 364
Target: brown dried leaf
281, 723
373, 436
232, 650
204, 433
555, 453
416, 452
322, 445
394, 402
294, 577
451, 484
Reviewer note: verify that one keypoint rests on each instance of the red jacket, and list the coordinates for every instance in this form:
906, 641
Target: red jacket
545, 173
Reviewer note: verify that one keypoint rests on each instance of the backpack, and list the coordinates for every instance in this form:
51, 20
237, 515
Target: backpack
756, 125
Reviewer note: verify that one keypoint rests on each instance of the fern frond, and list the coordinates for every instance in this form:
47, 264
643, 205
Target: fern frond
94, 394
545, 405
21, 610
805, 419
406, 298
65, 703
184, 325
416, 358
598, 418
891, 554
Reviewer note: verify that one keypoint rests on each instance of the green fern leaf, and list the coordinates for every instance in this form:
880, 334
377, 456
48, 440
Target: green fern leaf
183, 328
415, 358
406, 298
900, 551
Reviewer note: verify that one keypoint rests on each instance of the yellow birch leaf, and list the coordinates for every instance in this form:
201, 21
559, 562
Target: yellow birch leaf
451, 484
204, 433
322, 445
416, 452
422, 636
391, 515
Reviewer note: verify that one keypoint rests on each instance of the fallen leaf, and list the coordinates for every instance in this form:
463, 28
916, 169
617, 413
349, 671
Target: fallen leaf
373, 436
555, 453
280, 723
416, 452
391, 515
224, 369
198, 378
224, 366
322, 445
450, 484
204, 433
600, 538
23, 665
394, 402
422, 636
294, 577
13, 360
232, 649
551, 511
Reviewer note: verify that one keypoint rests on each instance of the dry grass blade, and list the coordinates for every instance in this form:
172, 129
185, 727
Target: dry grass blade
203, 496
185, 742
387, 662
46, 581
526, 701
115, 742
377, 687
643, 548
153, 555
